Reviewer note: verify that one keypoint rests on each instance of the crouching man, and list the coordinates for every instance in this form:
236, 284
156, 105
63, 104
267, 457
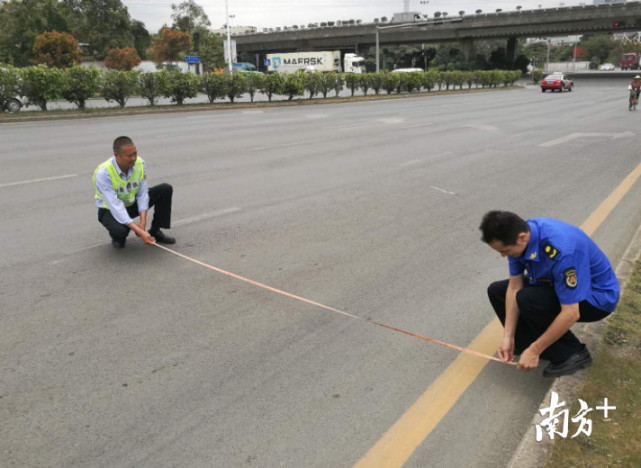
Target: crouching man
122, 194
558, 276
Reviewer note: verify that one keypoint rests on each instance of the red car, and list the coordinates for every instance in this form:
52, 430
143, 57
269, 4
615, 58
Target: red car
557, 81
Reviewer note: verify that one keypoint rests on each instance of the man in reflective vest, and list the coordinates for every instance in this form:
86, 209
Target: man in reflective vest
558, 276
121, 194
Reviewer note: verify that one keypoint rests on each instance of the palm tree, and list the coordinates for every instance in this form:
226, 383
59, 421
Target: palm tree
518, 8
461, 13
478, 12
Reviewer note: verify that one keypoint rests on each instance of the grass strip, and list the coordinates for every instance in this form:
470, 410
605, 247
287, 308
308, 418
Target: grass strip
616, 375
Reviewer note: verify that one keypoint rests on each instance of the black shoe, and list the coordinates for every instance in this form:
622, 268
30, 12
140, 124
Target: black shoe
162, 238
577, 361
118, 244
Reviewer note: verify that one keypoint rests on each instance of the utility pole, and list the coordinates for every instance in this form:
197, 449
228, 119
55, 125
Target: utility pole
228, 35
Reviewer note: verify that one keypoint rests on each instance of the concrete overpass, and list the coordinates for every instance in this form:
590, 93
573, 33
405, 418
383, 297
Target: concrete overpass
465, 30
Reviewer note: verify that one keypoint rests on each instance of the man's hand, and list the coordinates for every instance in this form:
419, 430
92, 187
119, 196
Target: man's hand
529, 360
506, 351
144, 235
147, 238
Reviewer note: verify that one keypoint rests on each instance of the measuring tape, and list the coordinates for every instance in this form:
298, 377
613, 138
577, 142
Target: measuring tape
332, 309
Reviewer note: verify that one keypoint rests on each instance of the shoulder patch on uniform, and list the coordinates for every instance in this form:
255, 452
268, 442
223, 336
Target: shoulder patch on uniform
570, 278
551, 251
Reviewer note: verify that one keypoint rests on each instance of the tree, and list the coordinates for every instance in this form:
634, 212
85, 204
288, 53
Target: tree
21, 21
80, 83
313, 83
390, 81
102, 24
122, 59
254, 83
8, 82
169, 46
478, 12
56, 49
599, 46
365, 82
188, 16
327, 82
442, 57
235, 85
151, 86
213, 85
376, 82
294, 85
352, 80
210, 49
181, 86
461, 13
274, 84
119, 86
339, 82
41, 84
142, 38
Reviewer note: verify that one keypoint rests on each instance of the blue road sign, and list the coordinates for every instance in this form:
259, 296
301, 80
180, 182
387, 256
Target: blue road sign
192, 59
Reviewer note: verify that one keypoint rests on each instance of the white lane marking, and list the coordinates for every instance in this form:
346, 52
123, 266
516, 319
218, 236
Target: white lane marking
479, 127
412, 162
441, 190
424, 160
573, 136
285, 145
202, 217
392, 120
33, 181
420, 125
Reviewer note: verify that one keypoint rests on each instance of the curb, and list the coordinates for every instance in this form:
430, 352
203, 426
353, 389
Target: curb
532, 454
226, 106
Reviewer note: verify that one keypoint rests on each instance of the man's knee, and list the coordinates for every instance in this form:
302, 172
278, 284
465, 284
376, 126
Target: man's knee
165, 189
118, 232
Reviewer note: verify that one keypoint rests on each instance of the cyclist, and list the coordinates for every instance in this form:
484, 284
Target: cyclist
635, 89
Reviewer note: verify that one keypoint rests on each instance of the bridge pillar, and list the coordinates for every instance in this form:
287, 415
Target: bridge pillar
510, 51
467, 47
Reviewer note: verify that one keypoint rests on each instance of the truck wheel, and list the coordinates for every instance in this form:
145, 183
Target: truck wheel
542, 90
13, 105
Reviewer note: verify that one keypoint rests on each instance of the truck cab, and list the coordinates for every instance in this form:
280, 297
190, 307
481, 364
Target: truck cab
353, 63
630, 61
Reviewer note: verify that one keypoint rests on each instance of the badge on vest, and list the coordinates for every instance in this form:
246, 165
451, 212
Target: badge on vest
570, 278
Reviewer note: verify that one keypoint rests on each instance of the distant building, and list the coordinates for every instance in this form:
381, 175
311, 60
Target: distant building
235, 30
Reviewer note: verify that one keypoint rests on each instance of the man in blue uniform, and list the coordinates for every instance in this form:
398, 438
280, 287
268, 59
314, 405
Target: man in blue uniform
558, 276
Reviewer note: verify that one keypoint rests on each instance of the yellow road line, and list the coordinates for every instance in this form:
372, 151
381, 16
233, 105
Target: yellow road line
395, 447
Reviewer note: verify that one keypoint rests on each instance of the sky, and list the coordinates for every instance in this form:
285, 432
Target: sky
273, 13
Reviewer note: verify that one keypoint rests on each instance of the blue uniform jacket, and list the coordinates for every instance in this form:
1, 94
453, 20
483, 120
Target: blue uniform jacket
563, 256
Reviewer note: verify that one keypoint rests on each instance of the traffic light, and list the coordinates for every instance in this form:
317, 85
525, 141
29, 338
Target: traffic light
618, 24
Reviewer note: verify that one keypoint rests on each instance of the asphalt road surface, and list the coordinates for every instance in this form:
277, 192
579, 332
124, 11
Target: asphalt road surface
138, 358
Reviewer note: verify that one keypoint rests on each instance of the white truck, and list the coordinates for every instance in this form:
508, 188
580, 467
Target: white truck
323, 61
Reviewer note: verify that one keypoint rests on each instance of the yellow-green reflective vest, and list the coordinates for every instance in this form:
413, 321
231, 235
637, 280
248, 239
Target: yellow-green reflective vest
126, 190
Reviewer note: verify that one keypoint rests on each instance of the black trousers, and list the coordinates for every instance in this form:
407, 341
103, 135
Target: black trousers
159, 197
538, 307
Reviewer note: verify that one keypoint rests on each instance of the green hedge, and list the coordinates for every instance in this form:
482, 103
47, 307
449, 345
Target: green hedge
41, 84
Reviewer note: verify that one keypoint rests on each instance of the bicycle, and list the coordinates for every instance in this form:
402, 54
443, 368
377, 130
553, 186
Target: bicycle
634, 99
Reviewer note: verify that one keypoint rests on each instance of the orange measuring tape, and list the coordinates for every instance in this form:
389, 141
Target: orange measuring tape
332, 309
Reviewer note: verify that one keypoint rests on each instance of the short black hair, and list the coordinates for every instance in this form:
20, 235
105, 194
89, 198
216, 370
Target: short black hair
120, 142
502, 226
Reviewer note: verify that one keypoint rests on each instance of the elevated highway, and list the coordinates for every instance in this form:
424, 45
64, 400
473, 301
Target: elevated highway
465, 30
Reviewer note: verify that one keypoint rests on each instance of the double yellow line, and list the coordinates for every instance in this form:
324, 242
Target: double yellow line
395, 447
